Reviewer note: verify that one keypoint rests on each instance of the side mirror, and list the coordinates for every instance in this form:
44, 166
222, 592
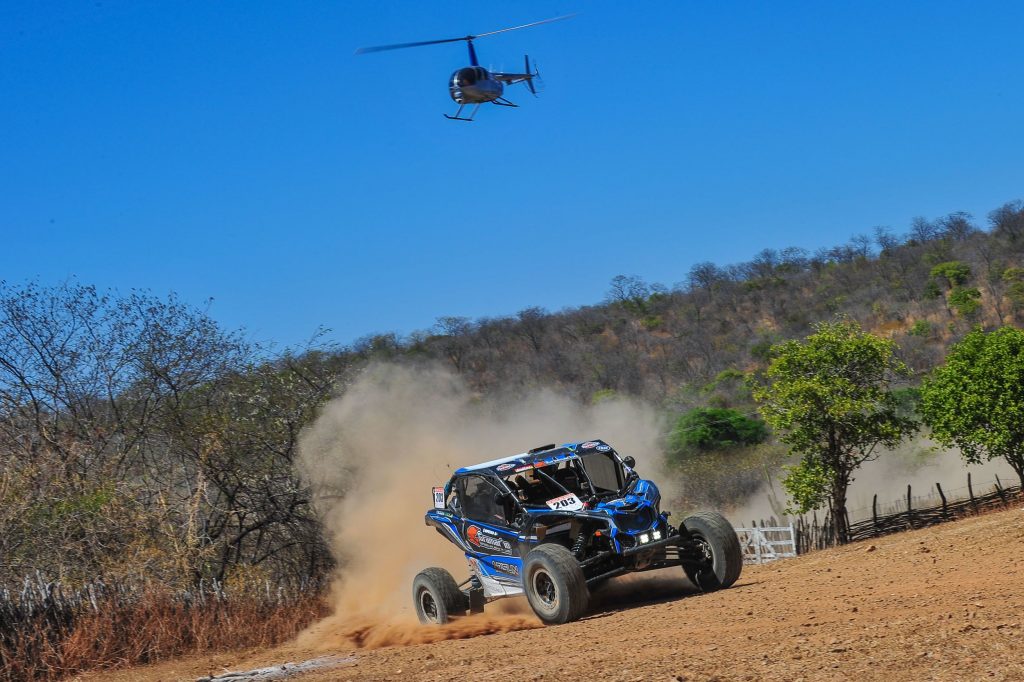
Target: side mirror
629, 461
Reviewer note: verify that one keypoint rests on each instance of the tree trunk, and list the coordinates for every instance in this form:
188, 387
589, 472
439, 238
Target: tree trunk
1016, 460
839, 518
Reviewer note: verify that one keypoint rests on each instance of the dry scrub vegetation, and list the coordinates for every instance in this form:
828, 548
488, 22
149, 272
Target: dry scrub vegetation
47, 634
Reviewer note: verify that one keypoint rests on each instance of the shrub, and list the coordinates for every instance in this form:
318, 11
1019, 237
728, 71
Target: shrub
921, 328
713, 428
965, 301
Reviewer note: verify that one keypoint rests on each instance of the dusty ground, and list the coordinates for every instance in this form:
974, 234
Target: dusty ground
944, 603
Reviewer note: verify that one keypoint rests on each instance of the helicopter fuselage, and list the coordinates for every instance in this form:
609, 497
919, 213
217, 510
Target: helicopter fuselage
474, 85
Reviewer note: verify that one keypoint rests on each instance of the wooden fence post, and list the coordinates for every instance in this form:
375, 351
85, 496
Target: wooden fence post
874, 512
1002, 493
910, 509
945, 509
970, 491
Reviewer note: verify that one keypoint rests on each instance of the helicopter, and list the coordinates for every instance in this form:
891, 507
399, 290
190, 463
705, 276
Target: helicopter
474, 84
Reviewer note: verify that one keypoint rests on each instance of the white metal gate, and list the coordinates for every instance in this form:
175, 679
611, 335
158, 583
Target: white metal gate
761, 545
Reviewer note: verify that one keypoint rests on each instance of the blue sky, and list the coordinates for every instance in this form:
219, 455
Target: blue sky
240, 151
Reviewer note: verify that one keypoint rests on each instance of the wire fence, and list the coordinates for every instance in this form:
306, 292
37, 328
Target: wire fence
910, 512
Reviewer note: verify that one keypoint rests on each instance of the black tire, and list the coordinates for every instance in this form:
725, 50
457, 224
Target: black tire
437, 596
717, 538
555, 585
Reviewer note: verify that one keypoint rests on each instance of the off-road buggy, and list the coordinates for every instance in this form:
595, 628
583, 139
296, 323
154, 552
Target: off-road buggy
554, 523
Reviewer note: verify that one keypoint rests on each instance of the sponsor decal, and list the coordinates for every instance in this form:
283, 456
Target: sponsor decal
506, 567
526, 467
603, 448
438, 498
504, 467
567, 502
479, 538
589, 445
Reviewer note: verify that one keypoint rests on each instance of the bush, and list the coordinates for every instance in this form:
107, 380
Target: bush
714, 428
921, 328
966, 301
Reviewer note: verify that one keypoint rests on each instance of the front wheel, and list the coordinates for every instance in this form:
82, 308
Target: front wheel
722, 555
555, 585
437, 596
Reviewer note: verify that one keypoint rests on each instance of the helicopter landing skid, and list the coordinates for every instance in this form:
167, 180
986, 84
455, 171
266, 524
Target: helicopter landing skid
502, 102
456, 117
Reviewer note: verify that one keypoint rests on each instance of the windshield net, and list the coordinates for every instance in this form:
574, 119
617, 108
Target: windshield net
540, 483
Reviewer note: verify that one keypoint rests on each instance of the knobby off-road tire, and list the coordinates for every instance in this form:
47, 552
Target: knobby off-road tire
718, 539
555, 585
437, 596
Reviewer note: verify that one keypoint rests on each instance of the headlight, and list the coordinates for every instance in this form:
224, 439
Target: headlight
644, 538
657, 534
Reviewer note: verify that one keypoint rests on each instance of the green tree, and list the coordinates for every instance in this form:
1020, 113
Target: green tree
976, 400
713, 428
829, 398
954, 273
965, 301
1014, 279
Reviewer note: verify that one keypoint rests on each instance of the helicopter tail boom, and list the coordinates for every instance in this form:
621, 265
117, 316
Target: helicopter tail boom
526, 77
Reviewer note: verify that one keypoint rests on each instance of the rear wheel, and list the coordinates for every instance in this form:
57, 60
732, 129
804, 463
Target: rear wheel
720, 548
437, 596
555, 585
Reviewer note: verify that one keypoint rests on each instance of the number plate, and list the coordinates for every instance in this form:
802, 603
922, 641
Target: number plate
568, 502
438, 498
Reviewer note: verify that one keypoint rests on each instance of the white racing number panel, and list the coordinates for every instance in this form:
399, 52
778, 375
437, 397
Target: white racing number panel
568, 502
438, 498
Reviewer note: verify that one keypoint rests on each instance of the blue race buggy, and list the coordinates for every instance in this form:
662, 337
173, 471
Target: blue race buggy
555, 522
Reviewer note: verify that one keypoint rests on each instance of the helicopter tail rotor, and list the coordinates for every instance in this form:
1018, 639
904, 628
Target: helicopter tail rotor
530, 75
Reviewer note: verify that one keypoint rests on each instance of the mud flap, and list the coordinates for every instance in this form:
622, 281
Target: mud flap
476, 600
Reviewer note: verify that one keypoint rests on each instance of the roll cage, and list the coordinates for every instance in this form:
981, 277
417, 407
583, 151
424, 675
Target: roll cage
524, 489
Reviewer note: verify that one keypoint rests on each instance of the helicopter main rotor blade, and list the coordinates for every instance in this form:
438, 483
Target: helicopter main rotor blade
400, 46
536, 23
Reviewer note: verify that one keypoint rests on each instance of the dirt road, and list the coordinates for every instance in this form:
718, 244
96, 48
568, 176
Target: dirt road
944, 603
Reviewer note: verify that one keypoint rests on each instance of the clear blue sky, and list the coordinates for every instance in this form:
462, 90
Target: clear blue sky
240, 151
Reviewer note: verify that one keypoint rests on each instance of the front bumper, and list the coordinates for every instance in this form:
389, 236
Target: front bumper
672, 540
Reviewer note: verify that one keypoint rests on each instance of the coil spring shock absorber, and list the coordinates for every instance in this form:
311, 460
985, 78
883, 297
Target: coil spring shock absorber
581, 541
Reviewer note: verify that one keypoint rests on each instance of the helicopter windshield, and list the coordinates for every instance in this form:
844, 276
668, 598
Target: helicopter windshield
468, 76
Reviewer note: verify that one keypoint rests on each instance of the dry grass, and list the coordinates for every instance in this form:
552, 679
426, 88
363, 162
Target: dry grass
156, 626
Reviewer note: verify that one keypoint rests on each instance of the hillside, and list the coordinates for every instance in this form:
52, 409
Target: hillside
942, 603
924, 288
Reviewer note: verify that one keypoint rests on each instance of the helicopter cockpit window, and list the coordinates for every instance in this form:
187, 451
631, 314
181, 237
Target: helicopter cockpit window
481, 73
467, 76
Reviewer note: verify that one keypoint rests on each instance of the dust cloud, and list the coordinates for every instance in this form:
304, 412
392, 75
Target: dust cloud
371, 458
919, 464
